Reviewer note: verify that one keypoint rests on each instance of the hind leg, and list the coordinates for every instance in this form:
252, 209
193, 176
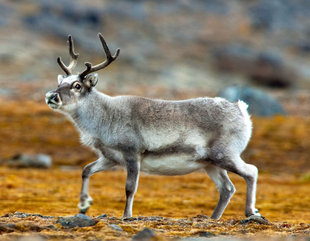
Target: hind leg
249, 173
224, 186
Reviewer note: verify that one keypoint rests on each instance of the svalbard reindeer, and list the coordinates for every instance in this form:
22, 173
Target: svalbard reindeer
155, 136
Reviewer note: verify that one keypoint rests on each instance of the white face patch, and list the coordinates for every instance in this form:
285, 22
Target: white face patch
70, 79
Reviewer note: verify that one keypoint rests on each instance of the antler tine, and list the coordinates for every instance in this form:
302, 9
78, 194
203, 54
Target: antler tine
109, 60
74, 56
63, 66
107, 50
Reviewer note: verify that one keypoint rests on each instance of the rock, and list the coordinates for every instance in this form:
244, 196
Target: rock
79, 220
260, 103
304, 46
145, 234
269, 70
129, 219
255, 219
102, 216
7, 227
116, 227
206, 234
5, 13
234, 57
25, 215
26, 227
29, 161
152, 218
120, 8
266, 68
279, 15
80, 20
67, 12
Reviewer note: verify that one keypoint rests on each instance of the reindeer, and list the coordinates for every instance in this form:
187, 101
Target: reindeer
155, 136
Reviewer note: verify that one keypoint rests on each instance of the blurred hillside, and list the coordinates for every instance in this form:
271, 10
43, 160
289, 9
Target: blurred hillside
169, 49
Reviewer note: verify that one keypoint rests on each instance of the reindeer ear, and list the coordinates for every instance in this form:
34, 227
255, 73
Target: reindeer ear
60, 78
91, 80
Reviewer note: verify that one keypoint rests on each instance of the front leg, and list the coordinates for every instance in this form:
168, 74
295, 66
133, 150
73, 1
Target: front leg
100, 165
133, 171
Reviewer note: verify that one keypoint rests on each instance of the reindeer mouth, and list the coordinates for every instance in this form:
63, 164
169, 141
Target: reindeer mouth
53, 105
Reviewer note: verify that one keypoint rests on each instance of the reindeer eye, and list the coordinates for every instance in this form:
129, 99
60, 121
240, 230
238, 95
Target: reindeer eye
77, 86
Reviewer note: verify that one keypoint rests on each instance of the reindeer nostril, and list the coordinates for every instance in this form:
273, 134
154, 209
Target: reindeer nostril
54, 97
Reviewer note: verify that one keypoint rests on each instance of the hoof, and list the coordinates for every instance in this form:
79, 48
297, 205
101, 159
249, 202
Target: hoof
84, 207
83, 210
255, 213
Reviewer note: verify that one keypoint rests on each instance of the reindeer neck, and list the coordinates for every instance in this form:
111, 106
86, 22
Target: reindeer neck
92, 113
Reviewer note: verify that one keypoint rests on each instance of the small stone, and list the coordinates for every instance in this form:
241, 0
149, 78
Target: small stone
102, 216
151, 218
116, 227
53, 227
79, 220
7, 215
206, 234
260, 103
145, 234
21, 215
130, 219
255, 219
30, 161
7, 227
25, 215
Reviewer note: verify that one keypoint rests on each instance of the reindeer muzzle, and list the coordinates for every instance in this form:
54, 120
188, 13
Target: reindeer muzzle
52, 99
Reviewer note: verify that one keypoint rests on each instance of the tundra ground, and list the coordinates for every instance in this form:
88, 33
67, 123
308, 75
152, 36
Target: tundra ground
181, 205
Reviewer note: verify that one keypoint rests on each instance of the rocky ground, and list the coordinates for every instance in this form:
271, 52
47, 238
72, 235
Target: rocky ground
37, 204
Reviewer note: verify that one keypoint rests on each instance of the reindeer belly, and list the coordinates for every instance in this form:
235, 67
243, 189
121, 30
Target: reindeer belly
171, 165
175, 156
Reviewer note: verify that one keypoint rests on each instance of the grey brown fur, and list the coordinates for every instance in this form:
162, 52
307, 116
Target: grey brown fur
159, 137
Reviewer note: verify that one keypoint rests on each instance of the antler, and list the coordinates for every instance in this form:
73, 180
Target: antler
109, 60
74, 56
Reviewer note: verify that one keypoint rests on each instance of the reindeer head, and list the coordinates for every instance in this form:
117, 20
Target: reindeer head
72, 88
